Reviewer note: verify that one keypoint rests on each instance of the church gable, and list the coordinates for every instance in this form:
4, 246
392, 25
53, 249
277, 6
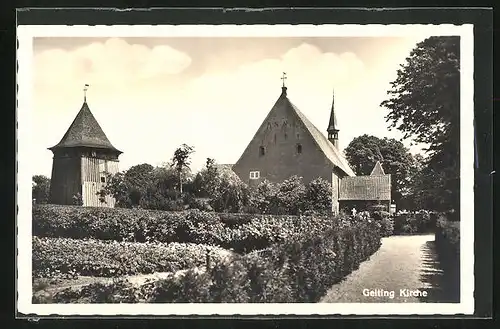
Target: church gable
283, 146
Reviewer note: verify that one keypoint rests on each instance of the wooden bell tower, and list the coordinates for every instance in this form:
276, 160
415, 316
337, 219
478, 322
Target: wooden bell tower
81, 162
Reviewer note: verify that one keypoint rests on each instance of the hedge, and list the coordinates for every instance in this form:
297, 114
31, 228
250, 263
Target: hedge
447, 241
301, 270
59, 256
240, 232
448, 237
415, 223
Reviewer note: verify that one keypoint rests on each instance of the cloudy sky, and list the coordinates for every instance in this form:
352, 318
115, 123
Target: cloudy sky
150, 95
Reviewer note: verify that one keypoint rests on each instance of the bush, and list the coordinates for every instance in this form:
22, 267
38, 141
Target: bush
386, 227
241, 232
416, 222
448, 237
301, 270
52, 256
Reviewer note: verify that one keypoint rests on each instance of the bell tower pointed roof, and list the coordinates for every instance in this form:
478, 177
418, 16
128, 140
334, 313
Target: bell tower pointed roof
85, 131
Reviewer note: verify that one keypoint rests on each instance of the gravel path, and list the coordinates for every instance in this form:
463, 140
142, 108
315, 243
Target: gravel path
402, 262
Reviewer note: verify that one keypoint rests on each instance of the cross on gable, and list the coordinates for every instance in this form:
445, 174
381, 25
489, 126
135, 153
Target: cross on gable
283, 78
85, 88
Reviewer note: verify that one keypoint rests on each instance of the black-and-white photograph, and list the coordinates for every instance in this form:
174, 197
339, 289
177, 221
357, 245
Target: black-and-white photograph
246, 168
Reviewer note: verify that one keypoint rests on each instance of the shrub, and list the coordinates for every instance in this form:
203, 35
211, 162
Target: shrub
379, 215
416, 222
110, 258
189, 287
387, 227
448, 236
318, 197
242, 232
301, 269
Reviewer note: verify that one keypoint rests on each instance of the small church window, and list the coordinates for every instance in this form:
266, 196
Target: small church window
299, 148
254, 174
286, 135
262, 151
103, 179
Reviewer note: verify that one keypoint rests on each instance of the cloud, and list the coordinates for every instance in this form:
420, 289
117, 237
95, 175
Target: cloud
217, 112
230, 105
112, 64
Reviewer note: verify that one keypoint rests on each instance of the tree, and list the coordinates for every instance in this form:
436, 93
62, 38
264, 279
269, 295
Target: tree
40, 188
181, 161
318, 196
128, 188
424, 104
226, 191
290, 196
263, 198
364, 151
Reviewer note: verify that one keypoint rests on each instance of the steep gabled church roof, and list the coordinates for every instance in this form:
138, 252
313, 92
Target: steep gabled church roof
331, 152
85, 131
377, 170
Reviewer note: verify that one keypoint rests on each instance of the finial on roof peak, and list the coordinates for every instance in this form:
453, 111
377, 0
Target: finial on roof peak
283, 87
85, 88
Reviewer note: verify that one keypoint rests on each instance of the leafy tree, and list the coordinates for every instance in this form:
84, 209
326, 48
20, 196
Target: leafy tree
226, 191
290, 195
263, 197
364, 151
130, 187
181, 161
40, 188
207, 179
424, 103
318, 196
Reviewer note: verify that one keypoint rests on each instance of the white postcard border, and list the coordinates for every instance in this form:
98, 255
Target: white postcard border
24, 199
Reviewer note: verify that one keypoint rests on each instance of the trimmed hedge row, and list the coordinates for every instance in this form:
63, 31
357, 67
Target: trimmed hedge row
448, 237
60, 256
240, 232
415, 223
447, 242
297, 271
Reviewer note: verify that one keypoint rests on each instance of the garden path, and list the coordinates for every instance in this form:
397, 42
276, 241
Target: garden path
402, 262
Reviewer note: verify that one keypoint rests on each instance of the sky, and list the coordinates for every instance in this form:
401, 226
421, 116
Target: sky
150, 95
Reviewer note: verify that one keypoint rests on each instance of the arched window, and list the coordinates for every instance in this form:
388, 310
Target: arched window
299, 148
262, 151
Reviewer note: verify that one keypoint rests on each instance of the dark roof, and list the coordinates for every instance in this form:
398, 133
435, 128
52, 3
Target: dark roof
365, 188
85, 131
377, 170
332, 124
331, 152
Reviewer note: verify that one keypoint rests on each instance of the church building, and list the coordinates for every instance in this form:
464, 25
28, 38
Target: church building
287, 144
81, 162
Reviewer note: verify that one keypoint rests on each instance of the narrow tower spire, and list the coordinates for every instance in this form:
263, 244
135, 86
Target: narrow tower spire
333, 132
85, 88
283, 88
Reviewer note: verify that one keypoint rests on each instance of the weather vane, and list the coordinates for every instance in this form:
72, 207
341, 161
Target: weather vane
85, 88
283, 78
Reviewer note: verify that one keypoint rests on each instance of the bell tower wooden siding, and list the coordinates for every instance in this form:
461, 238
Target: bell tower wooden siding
93, 172
65, 179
